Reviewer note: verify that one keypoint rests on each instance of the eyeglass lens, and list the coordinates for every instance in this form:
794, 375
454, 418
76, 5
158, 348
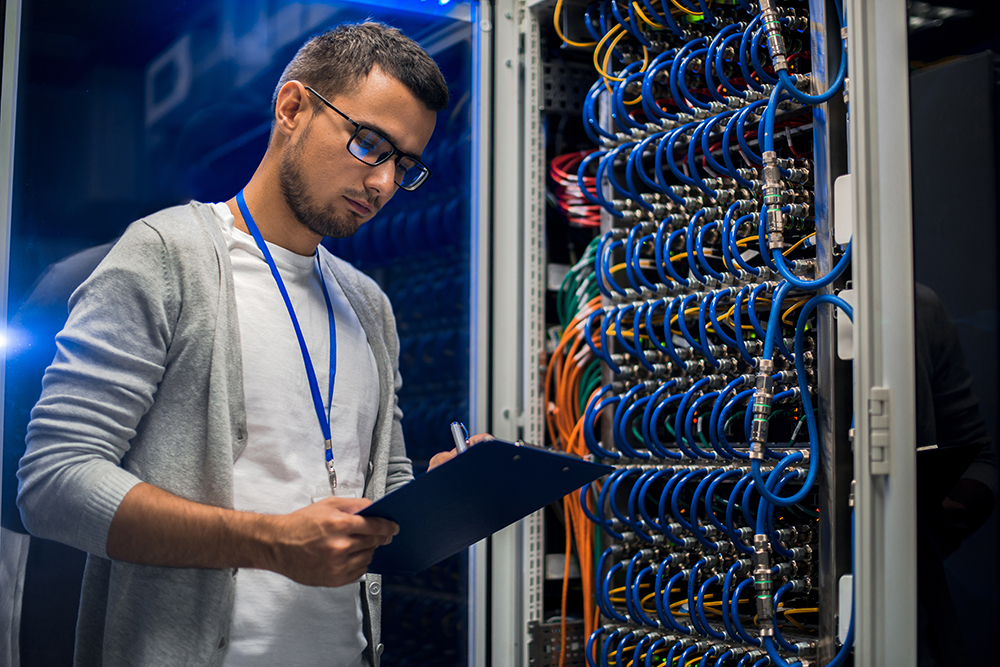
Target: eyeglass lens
372, 148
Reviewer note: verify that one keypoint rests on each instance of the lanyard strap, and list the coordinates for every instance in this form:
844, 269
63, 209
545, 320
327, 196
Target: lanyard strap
324, 421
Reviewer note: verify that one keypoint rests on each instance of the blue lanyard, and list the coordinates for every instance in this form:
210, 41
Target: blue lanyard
324, 421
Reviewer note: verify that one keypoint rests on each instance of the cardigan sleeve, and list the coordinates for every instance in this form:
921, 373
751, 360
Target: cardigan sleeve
110, 357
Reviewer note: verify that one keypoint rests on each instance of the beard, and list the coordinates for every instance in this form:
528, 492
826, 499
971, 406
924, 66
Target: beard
325, 221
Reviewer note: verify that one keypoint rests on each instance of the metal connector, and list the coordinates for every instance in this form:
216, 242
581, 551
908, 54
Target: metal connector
762, 580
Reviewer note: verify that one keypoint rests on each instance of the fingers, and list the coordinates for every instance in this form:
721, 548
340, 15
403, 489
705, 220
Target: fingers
480, 437
442, 457
354, 524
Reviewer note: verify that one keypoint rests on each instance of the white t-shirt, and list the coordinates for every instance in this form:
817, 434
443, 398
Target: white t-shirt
282, 467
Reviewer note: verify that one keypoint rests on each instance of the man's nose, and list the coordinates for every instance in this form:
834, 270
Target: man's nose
382, 178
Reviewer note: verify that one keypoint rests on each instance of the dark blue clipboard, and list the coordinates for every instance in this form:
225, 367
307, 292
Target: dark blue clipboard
486, 488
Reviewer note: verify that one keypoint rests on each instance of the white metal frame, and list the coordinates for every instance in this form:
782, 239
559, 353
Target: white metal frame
13, 546
8, 97
885, 578
518, 313
482, 95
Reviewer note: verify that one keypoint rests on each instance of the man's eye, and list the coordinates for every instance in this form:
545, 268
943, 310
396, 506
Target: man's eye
368, 144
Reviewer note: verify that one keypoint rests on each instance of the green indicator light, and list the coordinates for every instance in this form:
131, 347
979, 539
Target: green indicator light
694, 18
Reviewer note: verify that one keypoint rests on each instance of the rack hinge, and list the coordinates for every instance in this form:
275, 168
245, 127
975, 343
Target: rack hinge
878, 431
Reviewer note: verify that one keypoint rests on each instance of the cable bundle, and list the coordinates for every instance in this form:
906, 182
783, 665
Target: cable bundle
708, 288
566, 190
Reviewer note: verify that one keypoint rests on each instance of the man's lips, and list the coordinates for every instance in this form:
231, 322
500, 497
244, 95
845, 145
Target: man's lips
359, 206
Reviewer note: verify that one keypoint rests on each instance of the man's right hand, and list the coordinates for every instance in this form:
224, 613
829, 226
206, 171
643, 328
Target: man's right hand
323, 544
327, 543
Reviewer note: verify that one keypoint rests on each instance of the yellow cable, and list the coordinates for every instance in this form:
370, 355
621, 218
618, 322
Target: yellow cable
685, 9
555, 22
638, 11
600, 45
603, 71
785, 315
806, 610
798, 243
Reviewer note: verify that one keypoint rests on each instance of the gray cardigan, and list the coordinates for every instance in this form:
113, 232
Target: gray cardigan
147, 385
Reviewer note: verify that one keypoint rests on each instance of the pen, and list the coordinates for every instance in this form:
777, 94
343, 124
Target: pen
460, 436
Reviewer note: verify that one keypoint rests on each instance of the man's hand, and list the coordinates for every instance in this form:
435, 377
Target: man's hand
327, 543
324, 544
441, 457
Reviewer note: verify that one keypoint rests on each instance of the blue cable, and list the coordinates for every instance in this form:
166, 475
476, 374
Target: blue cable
635, 156
615, 485
637, 267
682, 442
731, 511
640, 613
594, 407
744, 46
668, 615
620, 441
778, 594
748, 153
654, 424
726, 583
710, 495
692, 162
689, 240
658, 242
667, 264
700, 535
639, 646
644, 492
654, 647
689, 526
719, 69
806, 404
735, 614
682, 323
612, 636
661, 507
699, 246
601, 200
653, 444
607, 165
741, 397
709, 630
675, 73
688, 427
713, 49
581, 170
735, 250
799, 283
682, 82
713, 316
628, 418
719, 441
738, 326
755, 57
590, 646
653, 110
706, 148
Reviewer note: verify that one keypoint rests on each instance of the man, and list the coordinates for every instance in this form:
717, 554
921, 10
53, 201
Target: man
181, 389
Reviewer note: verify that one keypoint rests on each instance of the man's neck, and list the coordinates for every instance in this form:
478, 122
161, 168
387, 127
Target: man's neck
275, 221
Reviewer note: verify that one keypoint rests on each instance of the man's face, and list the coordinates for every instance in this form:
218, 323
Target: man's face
330, 191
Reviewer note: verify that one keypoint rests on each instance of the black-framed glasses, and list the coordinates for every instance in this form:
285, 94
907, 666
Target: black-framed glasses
373, 149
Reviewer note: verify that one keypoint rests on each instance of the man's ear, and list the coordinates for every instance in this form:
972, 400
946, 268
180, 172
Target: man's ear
291, 107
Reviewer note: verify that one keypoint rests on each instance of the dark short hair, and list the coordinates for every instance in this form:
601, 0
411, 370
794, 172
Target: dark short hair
336, 61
